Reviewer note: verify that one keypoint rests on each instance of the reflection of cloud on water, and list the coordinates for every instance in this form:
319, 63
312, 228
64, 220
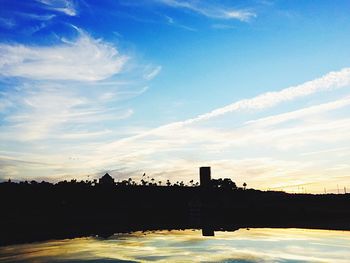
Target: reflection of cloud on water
255, 245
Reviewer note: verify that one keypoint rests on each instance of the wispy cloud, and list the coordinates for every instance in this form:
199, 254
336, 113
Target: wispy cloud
332, 80
211, 11
66, 7
222, 26
85, 135
56, 112
66, 94
152, 72
312, 110
84, 59
41, 112
4, 103
171, 21
41, 17
7, 23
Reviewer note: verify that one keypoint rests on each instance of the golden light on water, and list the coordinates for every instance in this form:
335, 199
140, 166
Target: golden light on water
254, 245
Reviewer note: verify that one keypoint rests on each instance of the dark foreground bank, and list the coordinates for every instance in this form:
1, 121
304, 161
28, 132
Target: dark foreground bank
39, 211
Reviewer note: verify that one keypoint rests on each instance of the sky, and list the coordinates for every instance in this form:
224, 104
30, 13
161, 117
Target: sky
258, 90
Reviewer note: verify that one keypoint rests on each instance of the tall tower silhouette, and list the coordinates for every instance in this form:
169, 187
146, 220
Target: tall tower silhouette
204, 176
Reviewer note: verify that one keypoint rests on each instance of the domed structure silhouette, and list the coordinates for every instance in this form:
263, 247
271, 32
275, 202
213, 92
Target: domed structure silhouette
106, 180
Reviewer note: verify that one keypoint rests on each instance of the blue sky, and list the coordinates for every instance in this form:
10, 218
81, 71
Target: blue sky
259, 90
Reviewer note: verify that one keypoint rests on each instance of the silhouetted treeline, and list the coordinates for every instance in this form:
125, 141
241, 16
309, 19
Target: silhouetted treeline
33, 211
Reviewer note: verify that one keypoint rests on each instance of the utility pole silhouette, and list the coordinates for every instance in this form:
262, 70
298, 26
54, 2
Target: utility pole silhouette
338, 188
325, 191
344, 189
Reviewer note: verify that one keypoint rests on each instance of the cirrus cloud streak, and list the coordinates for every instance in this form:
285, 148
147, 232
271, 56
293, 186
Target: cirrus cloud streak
84, 59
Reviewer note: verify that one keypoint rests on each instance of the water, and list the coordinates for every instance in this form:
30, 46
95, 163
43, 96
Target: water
254, 245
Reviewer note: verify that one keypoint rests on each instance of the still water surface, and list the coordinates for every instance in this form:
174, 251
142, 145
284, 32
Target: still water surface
254, 245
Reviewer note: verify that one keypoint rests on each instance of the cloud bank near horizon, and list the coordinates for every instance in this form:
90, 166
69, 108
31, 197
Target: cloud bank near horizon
269, 151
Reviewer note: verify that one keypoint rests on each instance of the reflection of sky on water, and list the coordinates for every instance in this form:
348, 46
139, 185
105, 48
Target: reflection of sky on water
254, 245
